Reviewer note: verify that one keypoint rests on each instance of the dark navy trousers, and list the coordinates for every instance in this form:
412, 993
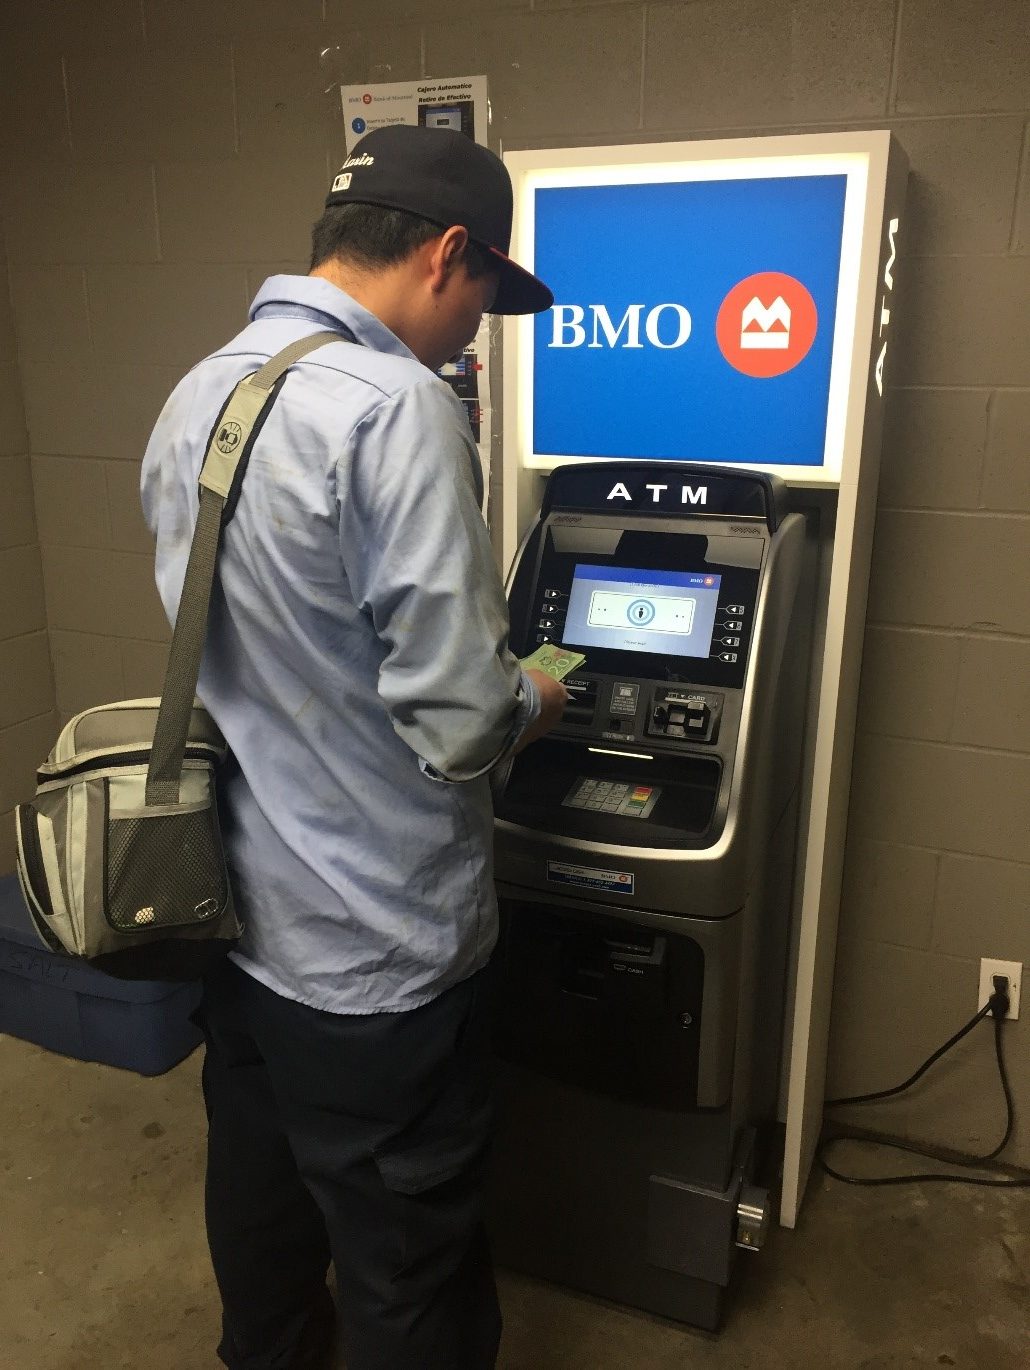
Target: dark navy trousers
359, 1141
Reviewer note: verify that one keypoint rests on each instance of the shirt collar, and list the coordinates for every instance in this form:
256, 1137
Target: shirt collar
314, 298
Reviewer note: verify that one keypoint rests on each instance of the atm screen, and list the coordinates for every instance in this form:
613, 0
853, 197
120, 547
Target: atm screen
643, 602
622, 608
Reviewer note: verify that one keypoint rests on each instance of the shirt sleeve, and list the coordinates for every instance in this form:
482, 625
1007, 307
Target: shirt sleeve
417, 556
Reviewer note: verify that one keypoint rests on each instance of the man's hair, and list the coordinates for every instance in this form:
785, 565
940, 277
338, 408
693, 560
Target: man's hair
374, 237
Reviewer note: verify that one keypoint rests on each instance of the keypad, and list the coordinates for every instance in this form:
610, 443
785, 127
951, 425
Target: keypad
612, 796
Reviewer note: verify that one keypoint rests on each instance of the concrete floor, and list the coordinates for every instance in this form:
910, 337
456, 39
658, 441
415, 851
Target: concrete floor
103, 1262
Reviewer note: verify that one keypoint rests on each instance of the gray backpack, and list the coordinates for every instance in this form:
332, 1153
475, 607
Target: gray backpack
120, 854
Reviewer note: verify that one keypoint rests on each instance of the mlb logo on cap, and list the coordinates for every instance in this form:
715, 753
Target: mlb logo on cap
342, 181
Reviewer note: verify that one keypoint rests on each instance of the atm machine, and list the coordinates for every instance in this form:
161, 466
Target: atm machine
691, 448
643, 864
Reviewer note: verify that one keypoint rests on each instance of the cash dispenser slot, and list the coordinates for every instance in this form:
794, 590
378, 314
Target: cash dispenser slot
593, 966
685, 791
601, 1003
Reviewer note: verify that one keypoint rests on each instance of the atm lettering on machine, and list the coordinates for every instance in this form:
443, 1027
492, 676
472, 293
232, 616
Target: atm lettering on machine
689, 494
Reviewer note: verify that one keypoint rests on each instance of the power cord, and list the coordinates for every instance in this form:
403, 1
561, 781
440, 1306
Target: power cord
997, 1006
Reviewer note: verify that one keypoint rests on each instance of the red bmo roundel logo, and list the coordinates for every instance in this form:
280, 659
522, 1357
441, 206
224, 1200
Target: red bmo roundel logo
766, 324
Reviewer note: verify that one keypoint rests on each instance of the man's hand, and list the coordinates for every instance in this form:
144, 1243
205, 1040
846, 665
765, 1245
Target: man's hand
553, 699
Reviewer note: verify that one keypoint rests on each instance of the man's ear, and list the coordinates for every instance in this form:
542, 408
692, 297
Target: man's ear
447, 254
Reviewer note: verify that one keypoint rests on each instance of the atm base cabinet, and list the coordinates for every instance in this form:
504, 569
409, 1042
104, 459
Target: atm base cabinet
575, 1200
627, 1149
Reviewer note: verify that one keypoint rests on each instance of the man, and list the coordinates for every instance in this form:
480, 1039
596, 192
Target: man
357, 663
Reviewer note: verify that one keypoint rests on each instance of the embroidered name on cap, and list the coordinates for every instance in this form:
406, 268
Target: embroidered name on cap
343, 180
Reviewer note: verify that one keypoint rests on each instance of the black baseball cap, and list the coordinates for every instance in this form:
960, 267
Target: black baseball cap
443, 176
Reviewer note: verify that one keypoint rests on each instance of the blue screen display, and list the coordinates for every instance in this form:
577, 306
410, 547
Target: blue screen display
693, 321
629, 610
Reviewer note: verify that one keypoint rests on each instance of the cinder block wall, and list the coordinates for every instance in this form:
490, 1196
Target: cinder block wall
160, 156
27, 716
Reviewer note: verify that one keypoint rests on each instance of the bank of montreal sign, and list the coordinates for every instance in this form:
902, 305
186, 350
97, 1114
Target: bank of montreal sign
692, 321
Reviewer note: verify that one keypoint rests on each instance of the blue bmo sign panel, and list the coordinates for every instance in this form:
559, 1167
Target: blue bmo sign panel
693, 321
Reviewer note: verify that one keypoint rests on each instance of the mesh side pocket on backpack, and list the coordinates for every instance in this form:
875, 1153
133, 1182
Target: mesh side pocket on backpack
164, 871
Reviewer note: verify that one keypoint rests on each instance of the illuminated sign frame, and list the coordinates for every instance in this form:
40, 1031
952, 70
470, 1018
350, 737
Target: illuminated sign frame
876, 170
850, 155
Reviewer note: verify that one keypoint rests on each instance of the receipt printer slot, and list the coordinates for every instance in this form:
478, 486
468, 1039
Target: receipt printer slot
580, 708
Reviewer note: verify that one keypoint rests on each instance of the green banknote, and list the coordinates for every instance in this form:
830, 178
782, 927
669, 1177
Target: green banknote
553, 661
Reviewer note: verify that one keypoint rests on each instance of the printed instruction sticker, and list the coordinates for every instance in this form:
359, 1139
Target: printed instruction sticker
590, 877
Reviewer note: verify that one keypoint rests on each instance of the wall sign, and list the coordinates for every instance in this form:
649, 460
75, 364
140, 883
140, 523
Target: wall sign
458, 103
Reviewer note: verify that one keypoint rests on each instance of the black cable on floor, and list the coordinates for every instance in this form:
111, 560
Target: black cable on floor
996, 1005
918, 1075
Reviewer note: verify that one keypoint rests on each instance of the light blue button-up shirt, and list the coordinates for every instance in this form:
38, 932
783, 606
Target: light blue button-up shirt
356, 658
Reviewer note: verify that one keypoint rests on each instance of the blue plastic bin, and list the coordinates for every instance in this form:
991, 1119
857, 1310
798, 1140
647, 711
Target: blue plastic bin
66, 1006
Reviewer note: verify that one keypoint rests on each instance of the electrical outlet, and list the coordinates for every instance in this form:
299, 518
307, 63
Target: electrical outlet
1012, 969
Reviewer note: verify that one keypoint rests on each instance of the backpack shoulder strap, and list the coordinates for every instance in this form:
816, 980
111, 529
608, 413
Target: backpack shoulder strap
220, 479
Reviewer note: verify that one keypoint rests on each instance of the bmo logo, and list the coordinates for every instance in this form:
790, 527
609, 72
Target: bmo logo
665, 326
766, 324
